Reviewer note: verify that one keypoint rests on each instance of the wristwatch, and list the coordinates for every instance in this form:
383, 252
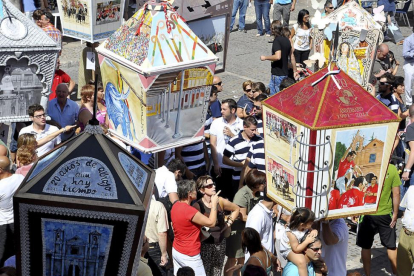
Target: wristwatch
407, 170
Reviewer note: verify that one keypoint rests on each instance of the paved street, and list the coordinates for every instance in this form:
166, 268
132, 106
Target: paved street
243, 63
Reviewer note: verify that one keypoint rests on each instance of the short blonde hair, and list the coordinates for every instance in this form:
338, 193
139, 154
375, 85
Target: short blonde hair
87, 91
246, 83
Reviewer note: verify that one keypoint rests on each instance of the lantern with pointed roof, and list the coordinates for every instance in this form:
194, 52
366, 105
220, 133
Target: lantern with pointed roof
359, 37
90, 20
27, 64
325, 138
157, 76
83, 207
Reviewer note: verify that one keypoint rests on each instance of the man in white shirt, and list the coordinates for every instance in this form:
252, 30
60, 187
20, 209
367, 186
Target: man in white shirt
405, 251
166, 178
221, 131
63, 110
334, 236
40, 129
9, 183
260, 219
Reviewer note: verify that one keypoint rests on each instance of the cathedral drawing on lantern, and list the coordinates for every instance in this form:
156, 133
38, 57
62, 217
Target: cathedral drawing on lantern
74, 256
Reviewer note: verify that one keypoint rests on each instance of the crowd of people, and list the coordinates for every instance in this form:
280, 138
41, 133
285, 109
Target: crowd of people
210, 213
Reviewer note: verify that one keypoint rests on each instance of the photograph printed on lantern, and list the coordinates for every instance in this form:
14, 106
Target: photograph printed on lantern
357, 167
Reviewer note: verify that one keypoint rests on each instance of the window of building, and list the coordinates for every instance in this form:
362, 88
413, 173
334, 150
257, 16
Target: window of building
372, 157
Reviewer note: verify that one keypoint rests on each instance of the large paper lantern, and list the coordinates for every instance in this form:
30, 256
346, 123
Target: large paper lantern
27, 64
90, 20
309, 130
157, 76
82, 210
361, 34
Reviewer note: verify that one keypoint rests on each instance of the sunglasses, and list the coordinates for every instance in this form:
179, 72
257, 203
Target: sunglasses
219, 83
257, 107
247, 90
315, 249
331, 8
209, 186
384, 83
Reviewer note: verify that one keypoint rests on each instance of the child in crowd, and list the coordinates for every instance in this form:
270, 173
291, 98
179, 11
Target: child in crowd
297, 237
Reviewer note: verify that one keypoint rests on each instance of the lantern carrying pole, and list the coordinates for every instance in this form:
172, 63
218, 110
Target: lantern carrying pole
94, 121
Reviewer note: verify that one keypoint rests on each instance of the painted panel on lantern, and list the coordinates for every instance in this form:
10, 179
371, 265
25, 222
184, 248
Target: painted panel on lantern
75, 16
82, 177
280, 136
280, 181
179, 46
358, 167
125, 101
75, 248
46, 161
136, 174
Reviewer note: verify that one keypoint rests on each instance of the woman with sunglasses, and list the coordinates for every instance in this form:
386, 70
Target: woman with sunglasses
213, 248
245, 103
186, 222
245, 198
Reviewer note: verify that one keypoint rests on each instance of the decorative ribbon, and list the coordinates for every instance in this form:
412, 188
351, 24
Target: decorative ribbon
329, 73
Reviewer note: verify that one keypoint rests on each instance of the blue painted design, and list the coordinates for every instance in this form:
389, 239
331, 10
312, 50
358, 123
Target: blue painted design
136, 174
75, 248
46, 161
82, 177
1, 9
117, 109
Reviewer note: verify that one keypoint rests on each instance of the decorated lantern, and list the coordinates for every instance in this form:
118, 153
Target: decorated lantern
324, 136
27, 64
157, 76
359, 36
90, 20
82, 210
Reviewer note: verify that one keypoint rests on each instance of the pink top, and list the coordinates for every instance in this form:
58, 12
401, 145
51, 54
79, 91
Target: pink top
23, 170
100, 116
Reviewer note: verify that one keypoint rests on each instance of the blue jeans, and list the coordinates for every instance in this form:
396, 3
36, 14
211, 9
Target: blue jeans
240, 5
262, 9
274, 83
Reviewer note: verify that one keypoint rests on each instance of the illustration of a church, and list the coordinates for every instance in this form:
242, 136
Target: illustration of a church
74, 256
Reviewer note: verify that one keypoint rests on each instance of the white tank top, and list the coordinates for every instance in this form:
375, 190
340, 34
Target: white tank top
302, 39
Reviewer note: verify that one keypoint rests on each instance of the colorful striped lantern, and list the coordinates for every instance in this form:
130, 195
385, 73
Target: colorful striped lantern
157, 76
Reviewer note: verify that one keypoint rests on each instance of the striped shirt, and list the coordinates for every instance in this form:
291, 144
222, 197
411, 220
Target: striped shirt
193, 155
257, 156
237, 150
260, 127
390, 101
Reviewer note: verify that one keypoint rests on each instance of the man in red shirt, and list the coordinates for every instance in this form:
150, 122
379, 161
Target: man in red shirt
60, 77
353, 197
346, 163
371, 193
